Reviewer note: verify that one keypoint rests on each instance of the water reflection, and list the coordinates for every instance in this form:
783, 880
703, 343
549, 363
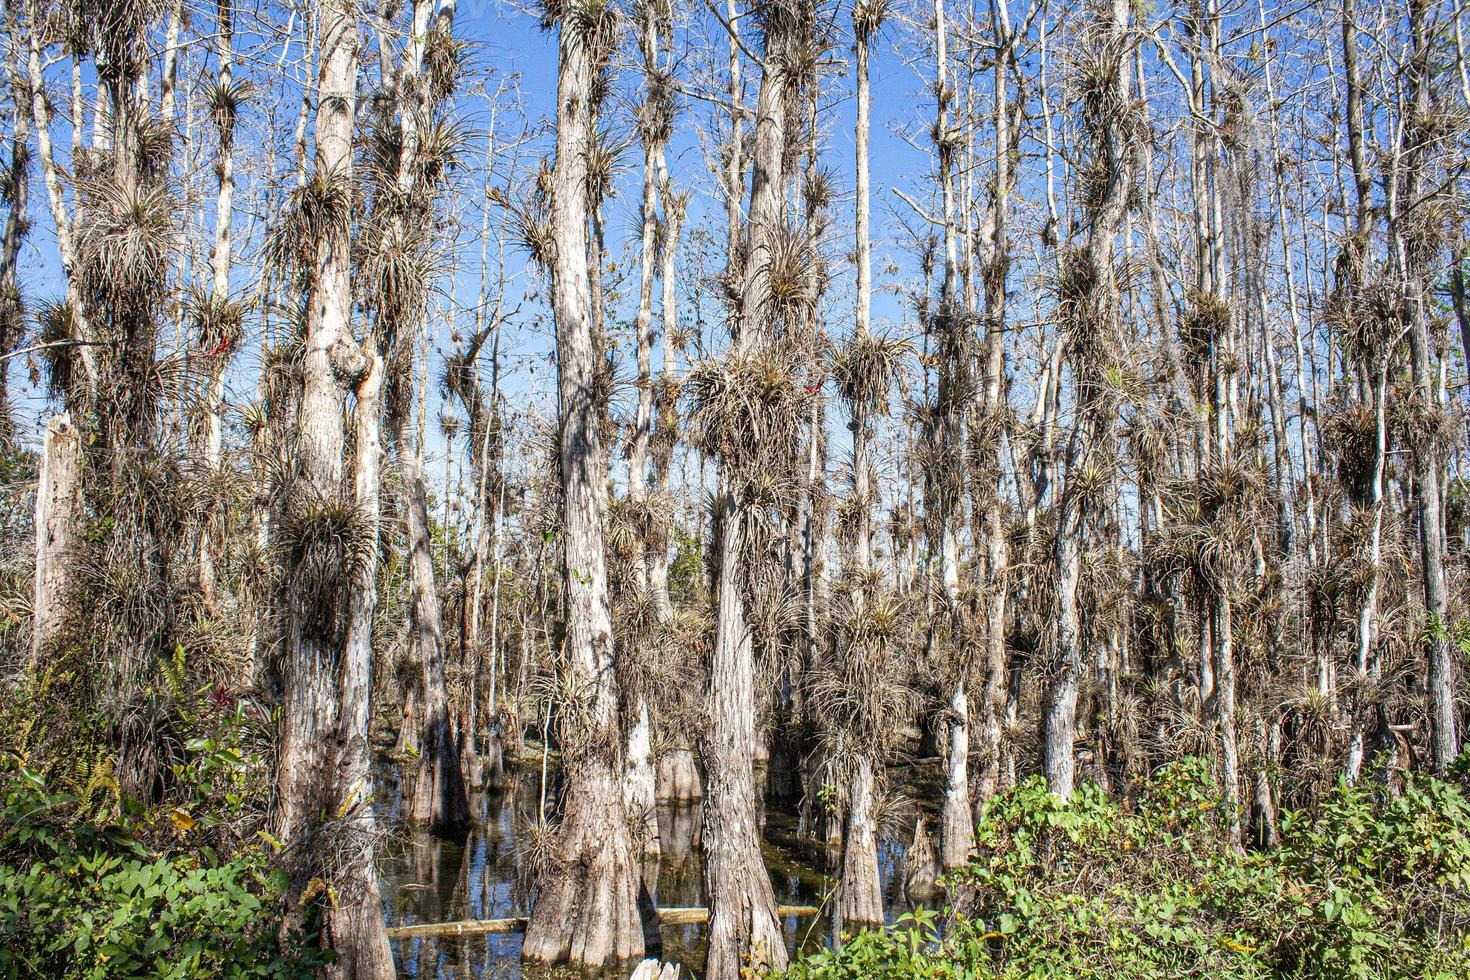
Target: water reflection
429, 879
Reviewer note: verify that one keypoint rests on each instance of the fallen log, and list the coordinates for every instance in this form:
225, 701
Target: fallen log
487, 927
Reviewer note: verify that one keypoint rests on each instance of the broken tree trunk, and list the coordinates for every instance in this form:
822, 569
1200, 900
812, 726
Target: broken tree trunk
57, 499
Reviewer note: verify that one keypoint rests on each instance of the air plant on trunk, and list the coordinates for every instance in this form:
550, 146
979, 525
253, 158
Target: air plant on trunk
330, 491
1088, 297
412, 149
859, 689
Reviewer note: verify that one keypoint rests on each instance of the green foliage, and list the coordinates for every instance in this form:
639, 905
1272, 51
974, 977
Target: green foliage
686, 572
87, 900
1368, 885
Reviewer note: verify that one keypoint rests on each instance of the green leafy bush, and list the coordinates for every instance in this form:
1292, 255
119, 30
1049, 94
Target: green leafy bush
1368, 885
80, 899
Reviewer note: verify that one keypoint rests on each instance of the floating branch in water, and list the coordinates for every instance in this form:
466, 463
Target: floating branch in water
485, 927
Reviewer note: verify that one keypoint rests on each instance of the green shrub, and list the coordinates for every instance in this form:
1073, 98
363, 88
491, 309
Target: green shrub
87, 900
1368, 885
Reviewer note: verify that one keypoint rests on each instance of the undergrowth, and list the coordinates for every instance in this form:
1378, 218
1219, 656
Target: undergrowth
1368, 884
96, 884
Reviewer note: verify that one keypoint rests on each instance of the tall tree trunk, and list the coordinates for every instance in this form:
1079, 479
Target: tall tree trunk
1413, 258
12, 311
996, 274
666, 406
743, 927
587, 912
322, 768
1091, 311
439, 798
219, 345
956, 829
654, 122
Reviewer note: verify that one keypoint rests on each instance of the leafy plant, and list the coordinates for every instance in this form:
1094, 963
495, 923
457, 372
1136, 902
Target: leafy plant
1369, 884
80, 899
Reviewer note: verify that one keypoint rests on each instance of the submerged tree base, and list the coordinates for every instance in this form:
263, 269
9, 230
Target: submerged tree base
587, 911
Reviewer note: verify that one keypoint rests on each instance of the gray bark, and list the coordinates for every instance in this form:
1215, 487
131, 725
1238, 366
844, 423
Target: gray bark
587, 913
58, 503
323, 763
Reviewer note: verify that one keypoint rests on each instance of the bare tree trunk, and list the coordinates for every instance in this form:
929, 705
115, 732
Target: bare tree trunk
861, 892
58, 502
867, 20
439, 797
587, 912
1412, 257
640, 784
956, 826
218, 348
742, 904
357, 923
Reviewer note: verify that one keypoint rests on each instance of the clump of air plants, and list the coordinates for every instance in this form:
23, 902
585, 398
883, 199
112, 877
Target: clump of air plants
1368, 319
859, 688
1310, 725
867, 368
793, 275
596, 22
281, 365
1095, 69
934, 457
1419, 426
326, 541
667, 424
12, 316
747, 408
1075, 287
1350, 438
603, 165
225, 100
1149, 439
531, 219
1206, 318
395, 276
126, 241
216, 320
1211, 528
319, 212
987, 430
851, 511
444, 63
56, 323
868, 17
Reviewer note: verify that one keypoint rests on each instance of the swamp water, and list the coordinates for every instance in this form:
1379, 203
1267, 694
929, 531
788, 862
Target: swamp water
432, 879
